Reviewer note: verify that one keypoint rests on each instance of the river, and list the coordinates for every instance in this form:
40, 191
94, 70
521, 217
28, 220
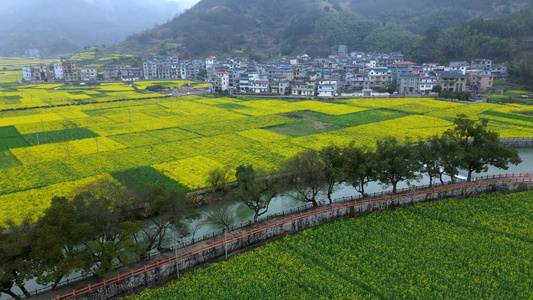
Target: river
284, 203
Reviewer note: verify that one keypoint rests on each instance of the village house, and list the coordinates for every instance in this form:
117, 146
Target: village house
403, 64
58, 69
280, 85
131, 74
88, 73
479, 80
69, 71
408, 84
427, 84
190, 70
260, 86
114, 72
27, 73
459, 66
379, 78
429, 67
150, 70
41, 73
234, 77
304, 88
452, 81
219, 82
481, 63
327, 88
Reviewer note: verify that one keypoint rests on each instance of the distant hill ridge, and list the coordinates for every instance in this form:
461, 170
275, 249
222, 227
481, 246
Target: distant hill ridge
315, 27
66, 26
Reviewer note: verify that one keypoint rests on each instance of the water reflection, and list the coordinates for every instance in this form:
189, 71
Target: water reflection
285, 203
242, 214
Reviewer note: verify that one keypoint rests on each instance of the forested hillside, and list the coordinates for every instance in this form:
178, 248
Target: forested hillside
317, 27
503, 39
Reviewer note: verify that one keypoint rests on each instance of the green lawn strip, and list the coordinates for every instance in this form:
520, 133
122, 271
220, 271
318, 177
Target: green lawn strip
37, 176
59, 136
510, 116
9, 131
77, 92
10, 138
364, 117
303, 128
7, 160
309, 123
15, 99
12, 142
230, 106
138, 177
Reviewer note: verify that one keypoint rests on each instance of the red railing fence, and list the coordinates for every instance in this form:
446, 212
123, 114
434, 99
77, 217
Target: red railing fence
507, 178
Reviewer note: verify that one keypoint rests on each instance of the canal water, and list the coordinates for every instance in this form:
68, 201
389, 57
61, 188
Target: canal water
285, 203
242, 214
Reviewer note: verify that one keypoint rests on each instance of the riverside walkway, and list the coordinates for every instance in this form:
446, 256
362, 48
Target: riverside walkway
83, 287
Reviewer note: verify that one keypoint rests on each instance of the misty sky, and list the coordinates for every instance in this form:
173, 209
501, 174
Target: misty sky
111, 20
27, 4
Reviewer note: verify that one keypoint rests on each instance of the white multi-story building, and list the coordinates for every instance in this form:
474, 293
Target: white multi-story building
219, 82
210, 62
459, 66
150, 69
89, 73
27, 73
303, 88
327, 88
58, 69
427, 84
379, 77
260, 86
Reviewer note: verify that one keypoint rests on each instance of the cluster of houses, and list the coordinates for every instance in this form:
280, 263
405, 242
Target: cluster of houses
356, 74
61, 70
67, 71
351, 74
158, 68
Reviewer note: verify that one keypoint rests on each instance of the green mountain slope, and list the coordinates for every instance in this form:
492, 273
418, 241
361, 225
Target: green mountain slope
314, 27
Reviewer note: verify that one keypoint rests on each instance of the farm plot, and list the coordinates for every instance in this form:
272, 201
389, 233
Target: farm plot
477, 248
171, 138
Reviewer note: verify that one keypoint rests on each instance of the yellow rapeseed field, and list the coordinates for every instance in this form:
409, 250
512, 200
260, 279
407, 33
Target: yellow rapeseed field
184, 138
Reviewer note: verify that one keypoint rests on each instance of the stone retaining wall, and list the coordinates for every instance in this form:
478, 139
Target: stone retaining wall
167, 272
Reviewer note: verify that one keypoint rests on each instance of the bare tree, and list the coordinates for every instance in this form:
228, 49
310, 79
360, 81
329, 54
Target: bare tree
306, 176
219, 215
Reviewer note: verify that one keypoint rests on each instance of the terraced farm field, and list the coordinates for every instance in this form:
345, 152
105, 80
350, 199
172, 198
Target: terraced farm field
51, 151
43, 95
477, 248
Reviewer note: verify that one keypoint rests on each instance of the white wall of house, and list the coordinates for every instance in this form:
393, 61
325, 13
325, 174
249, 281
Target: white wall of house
27, 73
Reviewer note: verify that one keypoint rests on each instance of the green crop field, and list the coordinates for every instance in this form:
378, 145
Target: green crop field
477, 248
182, 139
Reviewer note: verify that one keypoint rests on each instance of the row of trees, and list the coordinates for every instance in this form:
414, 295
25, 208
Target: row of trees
108, 224
104, 225
469, 146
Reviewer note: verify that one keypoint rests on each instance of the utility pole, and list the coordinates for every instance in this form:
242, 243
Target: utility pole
225, 244
177, 257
